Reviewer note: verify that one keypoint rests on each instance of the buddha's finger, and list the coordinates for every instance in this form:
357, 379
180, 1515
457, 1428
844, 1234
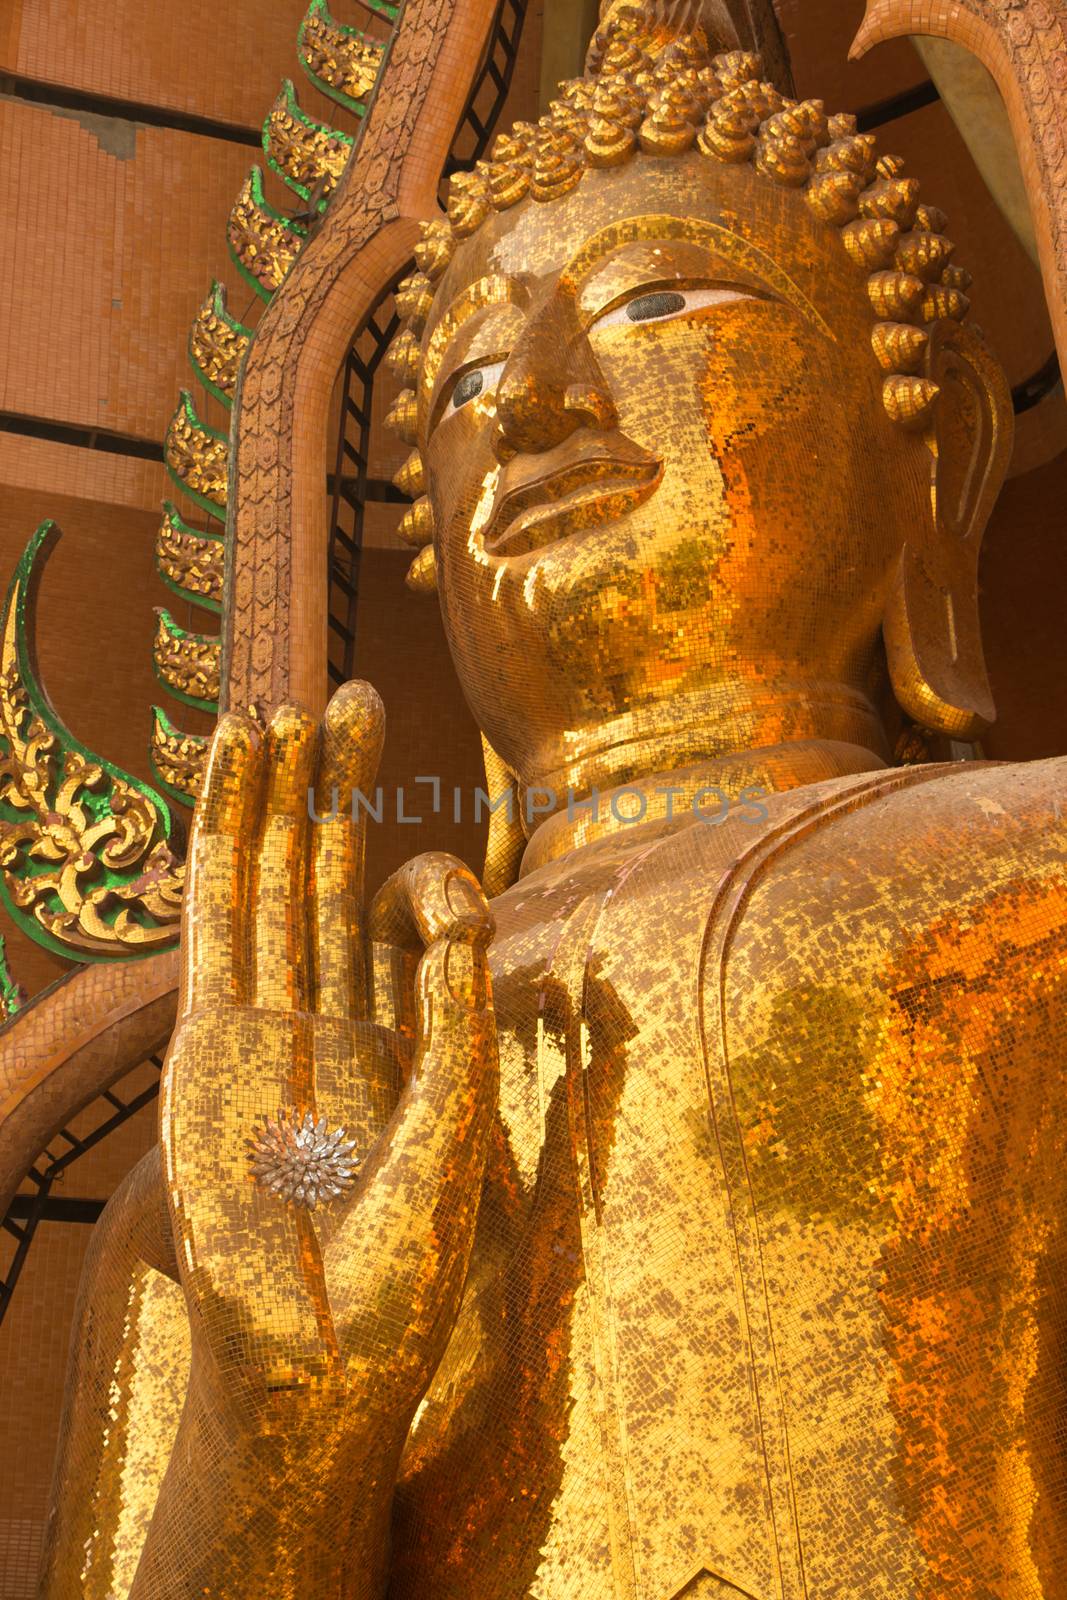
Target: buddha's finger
214, 923
280, 864
396, 1266
435, 896
352, 735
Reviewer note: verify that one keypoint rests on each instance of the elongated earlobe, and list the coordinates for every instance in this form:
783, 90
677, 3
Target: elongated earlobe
506, 843
931, 625
943, 689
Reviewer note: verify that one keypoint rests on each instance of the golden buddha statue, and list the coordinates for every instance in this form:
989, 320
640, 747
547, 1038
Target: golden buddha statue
691, 1223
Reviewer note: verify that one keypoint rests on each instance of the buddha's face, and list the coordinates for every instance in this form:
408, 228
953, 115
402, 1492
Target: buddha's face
667, 497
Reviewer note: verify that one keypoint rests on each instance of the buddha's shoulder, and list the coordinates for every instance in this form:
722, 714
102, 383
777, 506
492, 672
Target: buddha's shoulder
926, 821
879, 884
887, 848
933, 858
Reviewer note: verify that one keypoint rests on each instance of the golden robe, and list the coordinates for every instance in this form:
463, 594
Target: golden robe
769, 1293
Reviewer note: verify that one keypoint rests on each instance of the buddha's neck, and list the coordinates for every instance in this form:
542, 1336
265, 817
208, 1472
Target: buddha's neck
668, 777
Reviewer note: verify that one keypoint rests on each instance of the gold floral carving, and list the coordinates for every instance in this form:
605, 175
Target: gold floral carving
424, 82
188, 663
197, 456
80, 849
177, 757
264, 243
305, 152
339, 56
216, 344
187, 560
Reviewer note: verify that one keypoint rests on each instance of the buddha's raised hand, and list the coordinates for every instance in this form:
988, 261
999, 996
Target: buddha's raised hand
315, 1330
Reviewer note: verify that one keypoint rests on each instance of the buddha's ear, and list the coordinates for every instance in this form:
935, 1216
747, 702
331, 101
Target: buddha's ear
931, 628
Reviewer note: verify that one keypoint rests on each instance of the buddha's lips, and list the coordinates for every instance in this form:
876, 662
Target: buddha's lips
585, 493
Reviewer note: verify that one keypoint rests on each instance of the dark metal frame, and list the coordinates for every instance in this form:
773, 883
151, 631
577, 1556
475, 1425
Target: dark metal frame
27, 1211
476, 127
1033, 389
868, 118
351, 487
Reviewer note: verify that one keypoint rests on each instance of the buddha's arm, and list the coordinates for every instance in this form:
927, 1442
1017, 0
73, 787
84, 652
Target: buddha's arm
126, 1384
299, 1512
314, 1332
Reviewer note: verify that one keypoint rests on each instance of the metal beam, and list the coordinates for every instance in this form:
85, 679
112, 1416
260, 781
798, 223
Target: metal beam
56, 1208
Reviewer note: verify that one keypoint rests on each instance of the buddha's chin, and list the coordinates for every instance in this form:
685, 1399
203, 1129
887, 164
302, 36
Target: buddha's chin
597, 621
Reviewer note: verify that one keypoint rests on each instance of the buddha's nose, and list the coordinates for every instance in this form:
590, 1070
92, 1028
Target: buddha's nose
552, 386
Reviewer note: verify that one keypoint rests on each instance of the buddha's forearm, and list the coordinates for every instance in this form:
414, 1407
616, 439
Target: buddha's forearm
298, 1514
125, 1388
262, 1553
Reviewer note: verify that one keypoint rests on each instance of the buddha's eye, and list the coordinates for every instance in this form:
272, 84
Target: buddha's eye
469, 387
476, 383
662, 305
653, 307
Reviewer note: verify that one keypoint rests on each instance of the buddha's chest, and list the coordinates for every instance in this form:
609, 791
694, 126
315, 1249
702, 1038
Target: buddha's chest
742, 1216
626, 1279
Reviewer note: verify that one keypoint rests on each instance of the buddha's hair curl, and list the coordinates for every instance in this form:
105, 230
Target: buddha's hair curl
652, 84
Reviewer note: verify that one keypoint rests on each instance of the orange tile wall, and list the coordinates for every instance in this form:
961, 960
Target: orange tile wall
195, 57
111, 257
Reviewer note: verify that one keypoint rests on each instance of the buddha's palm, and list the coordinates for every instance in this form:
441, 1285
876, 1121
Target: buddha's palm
315, 1331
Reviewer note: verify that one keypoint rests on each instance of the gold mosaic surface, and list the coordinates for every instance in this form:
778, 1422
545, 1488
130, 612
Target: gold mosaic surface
707, 1230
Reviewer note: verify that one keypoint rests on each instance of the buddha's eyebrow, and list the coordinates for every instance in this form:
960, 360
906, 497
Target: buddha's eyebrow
494, 290
722, 241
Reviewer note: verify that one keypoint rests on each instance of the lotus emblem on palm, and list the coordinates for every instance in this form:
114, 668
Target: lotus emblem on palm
299, 1160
